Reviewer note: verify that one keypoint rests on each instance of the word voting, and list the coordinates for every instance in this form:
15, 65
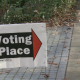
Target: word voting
15, 44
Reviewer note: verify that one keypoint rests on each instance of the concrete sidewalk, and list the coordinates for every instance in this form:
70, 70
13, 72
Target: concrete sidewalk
73, 67
58, 47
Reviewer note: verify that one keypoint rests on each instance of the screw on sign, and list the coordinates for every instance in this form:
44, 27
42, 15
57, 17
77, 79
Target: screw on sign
14, 45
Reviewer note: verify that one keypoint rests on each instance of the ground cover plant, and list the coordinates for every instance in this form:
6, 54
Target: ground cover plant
55, 12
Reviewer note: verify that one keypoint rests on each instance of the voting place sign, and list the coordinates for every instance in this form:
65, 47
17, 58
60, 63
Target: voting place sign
23, 45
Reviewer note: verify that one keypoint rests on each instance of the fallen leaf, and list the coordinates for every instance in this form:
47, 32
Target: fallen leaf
52, 46
66, 31
69, 28
64, 42
10, 59
7, 71
66, 60
55, 29
54, 57
64, 79
48, 51
69, 49
42, 73
50, 62
71, 38
56, 66
46, 75
64, 47
56, 33
68, 25
67, 38
0, 73
31, 70
79, 13
78, 63
52, 34
70, 32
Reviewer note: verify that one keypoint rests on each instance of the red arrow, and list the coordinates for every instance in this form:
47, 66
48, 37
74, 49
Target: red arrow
36, 44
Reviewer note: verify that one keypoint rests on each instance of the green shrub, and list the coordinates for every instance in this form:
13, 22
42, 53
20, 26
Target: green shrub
13, 15
35, 10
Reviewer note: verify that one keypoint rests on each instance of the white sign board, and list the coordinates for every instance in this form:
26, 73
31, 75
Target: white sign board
23, 45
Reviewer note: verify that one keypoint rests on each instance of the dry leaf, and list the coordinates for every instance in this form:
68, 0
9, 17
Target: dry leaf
0, 72
54, 57
54, 63
55, 29
46, 75
31, 70
66, 31
7, 71
67, 25
64, 42
67, 38
56, 33
70, 32
79, 13
69, 49
50, 62
56, 66
64, 47
66, 60
52, 46
52, 34
71, 38
48, 51
78, 63
10, 59
69, 28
